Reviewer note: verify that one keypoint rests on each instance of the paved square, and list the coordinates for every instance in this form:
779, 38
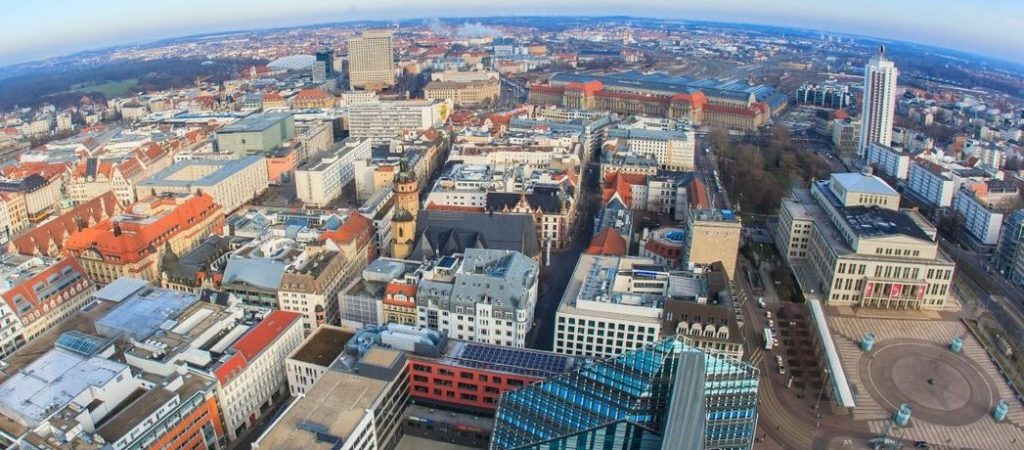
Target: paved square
952, 394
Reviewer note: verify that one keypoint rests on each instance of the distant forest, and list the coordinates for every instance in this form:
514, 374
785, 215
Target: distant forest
64, 88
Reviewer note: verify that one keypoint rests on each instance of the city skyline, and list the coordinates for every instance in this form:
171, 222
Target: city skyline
978, 30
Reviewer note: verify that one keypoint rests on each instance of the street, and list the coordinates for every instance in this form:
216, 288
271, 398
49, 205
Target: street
555, 276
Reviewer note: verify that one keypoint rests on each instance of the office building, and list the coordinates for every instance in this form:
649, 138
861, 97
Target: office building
830, 94
672, 149
879, 105
1010, 251
357, 401
39, 293
930, 183
464, 92
384, 120
481, 296
982, 207
616, 304
230, 182
319, 181
714, 236
603, 312
371, 63
256, 134
848, 243
131, 244
668, 395
893, 162
40, 194
846, 136
326, 57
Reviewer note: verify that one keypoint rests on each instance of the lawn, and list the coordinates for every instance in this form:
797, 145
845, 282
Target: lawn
109, 88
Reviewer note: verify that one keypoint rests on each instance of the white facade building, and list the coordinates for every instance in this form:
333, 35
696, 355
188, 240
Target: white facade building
381, 121
612, 305
879, 104
320, 181
931, 183
980, 221
891, 161
483, 295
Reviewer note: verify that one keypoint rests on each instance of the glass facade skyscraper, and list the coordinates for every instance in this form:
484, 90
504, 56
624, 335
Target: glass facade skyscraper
668, 392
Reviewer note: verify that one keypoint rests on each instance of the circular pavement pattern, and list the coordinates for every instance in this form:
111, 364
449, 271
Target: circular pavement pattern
942, 387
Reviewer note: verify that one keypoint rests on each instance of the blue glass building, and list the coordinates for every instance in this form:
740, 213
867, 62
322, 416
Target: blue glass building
666, 395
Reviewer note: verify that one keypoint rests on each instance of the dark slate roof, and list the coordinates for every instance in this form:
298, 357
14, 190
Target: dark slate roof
547, 200
450, 232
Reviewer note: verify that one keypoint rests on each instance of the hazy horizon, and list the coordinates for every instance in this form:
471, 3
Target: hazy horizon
987, 30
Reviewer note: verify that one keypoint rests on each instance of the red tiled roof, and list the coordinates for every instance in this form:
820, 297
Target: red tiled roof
622, 184
132, 243
37, 240
310, 94
606, 243
252, 343
26, 290
698, 194
697, 99
356, 227
589, 88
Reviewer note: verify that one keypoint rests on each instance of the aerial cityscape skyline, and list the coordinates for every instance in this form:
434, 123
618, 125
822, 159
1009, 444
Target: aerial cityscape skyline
511, 233
984, 31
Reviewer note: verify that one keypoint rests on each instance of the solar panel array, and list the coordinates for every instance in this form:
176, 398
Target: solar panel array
513, 360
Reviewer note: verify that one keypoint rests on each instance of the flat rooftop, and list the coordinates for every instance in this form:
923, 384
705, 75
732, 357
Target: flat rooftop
588, 271
255, 122
872, 221
332, 407
145, 312
136, 412
534, 363
323, 347
55, 378
221, 170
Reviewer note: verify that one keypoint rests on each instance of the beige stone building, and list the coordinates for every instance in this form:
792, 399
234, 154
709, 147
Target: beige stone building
371, 63
132, 244
464, 92
231, 182
714, 237
849, 244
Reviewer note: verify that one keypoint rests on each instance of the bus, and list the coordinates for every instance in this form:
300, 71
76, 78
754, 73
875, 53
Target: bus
768, 338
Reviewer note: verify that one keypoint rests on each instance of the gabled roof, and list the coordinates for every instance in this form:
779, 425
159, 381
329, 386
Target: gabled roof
55, 232
250, 345
607, 243
547, 202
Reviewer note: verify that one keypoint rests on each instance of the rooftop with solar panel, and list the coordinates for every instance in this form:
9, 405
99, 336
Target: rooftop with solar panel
510, 360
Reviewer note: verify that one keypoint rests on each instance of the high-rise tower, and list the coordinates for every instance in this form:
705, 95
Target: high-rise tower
371, 63
879, 102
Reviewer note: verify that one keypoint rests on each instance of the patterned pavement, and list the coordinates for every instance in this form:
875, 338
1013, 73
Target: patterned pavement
984, 433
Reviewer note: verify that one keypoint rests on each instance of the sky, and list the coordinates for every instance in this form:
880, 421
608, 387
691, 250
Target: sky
36, 29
